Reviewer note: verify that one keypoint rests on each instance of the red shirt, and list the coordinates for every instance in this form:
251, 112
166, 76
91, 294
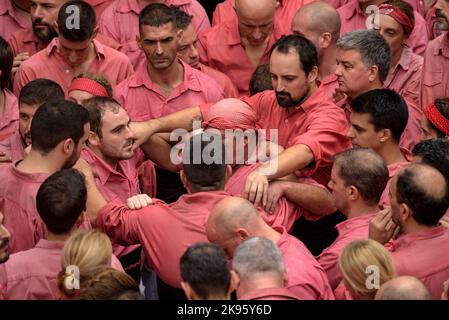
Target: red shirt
269, 294
13, 147
114, 65
99, 6
11, 20
229, 89
9, 118
144, 100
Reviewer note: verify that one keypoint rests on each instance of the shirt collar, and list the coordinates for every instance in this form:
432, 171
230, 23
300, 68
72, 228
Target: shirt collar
350, 224
405, 59
50, 245
405, 240
102, 169
7, 7
353, 8
29, 177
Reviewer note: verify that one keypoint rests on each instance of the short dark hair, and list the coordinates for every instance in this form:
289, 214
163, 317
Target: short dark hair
97, 106
199, 173
435, 153
260, 80
387, 110
156, 15
182, 18
56, 121
61, 199
364, 169
406, 9
87, 21
6, 62
204, 267
305, 49
40, 90
427, 209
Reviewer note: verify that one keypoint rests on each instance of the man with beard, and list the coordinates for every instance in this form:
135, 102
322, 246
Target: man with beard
436, 59
31, 97
59, 130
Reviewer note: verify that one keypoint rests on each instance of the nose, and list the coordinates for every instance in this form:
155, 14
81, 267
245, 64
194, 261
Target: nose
37, 12
437, 5
350, 134
129, 133
28, 128
193, 52
159, 50
279, 86
4, 233
338, 70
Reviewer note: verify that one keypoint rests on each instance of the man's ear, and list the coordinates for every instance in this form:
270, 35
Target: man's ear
94, 139
188, 291
228, 172
326, 40
405, 212
384, 135
242, 233
179, 34
373, 73
56, 26
235, 282
68, 146
353, 193
184, 180
313, 75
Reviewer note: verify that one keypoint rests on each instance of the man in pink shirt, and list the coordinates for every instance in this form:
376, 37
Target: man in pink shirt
238, 46
74, 51
188, 52
356, 15
32, 96
234, 219
14, 15
359, 176
120, 21
436, 59
419, 199
59, 130
378, 120
320, 23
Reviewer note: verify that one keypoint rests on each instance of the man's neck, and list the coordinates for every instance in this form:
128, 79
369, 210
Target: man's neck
268, 232
34, 162
391, 153
365, 5
56, 237
414, 227
259, 283
327, 63
373, 85
112, 162
169, 78
361, 208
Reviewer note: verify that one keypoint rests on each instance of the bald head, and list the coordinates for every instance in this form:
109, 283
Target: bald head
255, 9
403, 288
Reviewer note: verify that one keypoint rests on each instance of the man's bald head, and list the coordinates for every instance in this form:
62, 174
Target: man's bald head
403, 288
255, 9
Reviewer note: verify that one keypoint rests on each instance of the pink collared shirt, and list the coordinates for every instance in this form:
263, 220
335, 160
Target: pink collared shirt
164, 230
352, 229
283, 16
352, 18
330, 83
221, 48
12, 147
269, 294
393, 169
144, 100
114, 65
120, 21
229, 89
18, 204
306, 278
424, 255
9, 118
435, 81
11, 20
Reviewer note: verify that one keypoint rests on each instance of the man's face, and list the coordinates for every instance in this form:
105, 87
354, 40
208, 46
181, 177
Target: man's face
362, 132
300, 26
73, 158
338, 188
442, 15
117, 138
26, 114
160, 45
289, 80
79, 96
393, 33
4, 240
44, 13
255, 30
188, 47
74, 52
352, 74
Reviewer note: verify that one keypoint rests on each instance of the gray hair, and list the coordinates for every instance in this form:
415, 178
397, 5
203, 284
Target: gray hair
257, 255
372, 47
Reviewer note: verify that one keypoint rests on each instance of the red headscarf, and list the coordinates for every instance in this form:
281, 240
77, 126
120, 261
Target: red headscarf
437, 119
398, 15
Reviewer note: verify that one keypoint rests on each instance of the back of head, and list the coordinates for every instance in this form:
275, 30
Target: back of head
437, 114
403, 288
258, 257
364, 169
40, 90
90, 87
425, 191
205, 268
6, 62
86, 250
76, 21
387, 110
96, 107
260, 80
435, 153
360, 256
371, 46
61, 199
182, 18
156, 15
56, 121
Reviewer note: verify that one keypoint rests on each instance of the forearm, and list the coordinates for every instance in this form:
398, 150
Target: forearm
314, 199
158, 149
95, 200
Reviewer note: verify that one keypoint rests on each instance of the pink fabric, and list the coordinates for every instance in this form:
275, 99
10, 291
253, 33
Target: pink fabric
330, 83
341, 293
88, 85
11, 20
352, 18
24, 40
413, 131
306, 278
349, 230
230, 114
337, 3
165, 231
405, 77
99, 6
270, 294
114, 65
285, 11
431, 18
221, 48
424, 255
13, 147
144, 100
393, 169
435, 81
120, 21
18, 204
9, 118
229, 89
